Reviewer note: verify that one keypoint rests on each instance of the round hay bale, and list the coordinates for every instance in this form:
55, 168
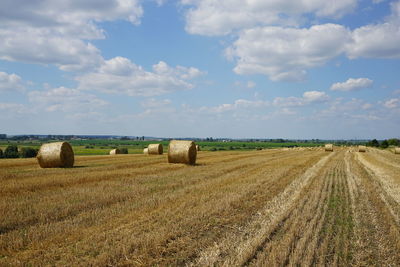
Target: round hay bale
146, 151
56, 155
197, 147
155, 149
362, 148
397, 150
115, 151
182, 152
328, 147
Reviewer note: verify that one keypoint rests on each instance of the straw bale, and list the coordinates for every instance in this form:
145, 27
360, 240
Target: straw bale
115, 151
197, 147
182, 152
362, 148
397, 150
146, 151
328, 147
55, 155
155, 149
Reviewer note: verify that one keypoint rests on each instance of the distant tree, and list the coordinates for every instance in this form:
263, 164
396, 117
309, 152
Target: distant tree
1, 153
384, 144
394, 142
124, 150
373, 143
11, 151
28, 152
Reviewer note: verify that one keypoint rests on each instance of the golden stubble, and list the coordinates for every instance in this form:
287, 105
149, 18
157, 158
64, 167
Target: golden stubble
269, 207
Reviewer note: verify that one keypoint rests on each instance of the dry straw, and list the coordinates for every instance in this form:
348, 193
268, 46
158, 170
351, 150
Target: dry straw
155, 149
362, 148
146, 151
115, 151
55, 155
397, 150
328, 147
182, 152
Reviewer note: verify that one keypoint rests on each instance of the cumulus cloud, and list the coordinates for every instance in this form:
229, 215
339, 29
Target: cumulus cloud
270, 41
284, 54
214, 17
56, 32
239, 104
377, 40
121, 76
354, 108
392, 103
315, 96
309, 97
352, 84
65, 99
10, 82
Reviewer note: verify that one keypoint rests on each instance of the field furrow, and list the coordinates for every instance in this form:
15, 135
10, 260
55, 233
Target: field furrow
376, 229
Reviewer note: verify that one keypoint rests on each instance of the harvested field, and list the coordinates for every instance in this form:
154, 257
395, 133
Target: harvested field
260, 208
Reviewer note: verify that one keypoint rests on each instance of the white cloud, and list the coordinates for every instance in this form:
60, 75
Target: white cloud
10, 82
14, 108
240, 104
121, 76
215, 17
352, 84
377, 40
56, 32
315, 96
35, 46
160, 2
284, 54
65, 99
343, 109
392, 103
309, 97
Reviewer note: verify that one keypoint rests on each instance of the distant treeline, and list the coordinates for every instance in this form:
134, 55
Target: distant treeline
12, 151
384, 143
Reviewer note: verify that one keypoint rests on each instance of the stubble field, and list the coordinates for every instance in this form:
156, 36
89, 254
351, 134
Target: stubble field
265, 208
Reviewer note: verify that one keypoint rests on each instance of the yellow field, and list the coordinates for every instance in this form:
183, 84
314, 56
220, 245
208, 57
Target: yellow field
265, 208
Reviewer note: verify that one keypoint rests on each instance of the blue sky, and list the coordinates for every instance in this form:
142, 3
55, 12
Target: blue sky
201, 68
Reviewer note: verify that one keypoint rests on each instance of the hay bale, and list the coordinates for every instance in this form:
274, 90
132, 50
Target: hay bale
328, 147
182, 152
362, 148
397, 150
115, 151
55, 155
155, 149
197, 147
146, 151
